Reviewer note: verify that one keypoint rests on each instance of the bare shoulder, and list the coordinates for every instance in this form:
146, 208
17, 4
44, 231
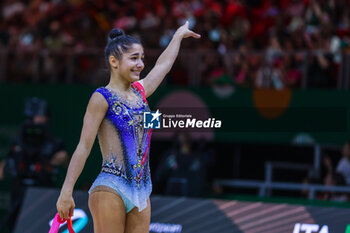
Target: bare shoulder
98, 103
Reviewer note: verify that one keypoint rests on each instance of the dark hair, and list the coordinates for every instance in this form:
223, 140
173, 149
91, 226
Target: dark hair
118, 43
35, 106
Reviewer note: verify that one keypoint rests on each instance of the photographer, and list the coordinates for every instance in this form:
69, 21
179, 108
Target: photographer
183, 169
33, 157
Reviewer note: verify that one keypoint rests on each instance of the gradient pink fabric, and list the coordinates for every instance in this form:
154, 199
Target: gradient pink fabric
58, 221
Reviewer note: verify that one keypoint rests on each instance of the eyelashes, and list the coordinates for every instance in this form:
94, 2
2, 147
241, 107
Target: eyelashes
135, 58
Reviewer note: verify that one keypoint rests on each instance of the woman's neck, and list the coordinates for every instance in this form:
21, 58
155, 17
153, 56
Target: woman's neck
119, 84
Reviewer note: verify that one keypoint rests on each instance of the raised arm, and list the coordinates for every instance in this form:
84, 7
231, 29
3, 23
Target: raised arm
166, 60
94, 115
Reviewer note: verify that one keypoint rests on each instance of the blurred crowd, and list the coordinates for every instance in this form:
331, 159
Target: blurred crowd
249, 43
333, 172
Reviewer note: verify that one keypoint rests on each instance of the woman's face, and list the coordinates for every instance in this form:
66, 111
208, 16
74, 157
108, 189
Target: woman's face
131, 64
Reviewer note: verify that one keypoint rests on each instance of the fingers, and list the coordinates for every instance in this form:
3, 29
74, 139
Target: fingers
192, 34
71, 211
60, 214
195, 35
189, 33
64, 215
65, 207
184, 27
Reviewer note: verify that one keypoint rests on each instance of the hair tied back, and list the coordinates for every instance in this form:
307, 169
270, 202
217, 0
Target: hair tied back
114, 34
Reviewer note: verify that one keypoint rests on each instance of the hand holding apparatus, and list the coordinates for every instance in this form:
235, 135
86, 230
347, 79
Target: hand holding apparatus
65, 205
58, 221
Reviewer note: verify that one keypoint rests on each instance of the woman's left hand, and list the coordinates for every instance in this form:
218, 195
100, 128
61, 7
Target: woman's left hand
185, 32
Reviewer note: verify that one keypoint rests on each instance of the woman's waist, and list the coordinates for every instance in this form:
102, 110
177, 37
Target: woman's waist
128, 173
111, 170
129, 152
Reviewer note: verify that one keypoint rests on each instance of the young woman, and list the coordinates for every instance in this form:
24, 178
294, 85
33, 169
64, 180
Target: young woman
119, 197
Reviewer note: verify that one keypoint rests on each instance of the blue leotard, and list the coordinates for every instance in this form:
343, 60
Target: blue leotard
125, 145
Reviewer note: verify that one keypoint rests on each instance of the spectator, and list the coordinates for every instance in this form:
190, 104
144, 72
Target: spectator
319, 72
336, 179
183, 168
333, 178
268, 27
343, 166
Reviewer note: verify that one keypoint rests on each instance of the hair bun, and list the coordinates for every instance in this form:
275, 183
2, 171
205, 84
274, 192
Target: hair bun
115, 33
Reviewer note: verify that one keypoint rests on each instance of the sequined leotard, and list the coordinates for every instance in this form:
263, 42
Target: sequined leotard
124, 145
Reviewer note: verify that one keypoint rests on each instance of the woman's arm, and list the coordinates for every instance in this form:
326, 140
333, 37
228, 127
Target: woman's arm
166, 60
94, 115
